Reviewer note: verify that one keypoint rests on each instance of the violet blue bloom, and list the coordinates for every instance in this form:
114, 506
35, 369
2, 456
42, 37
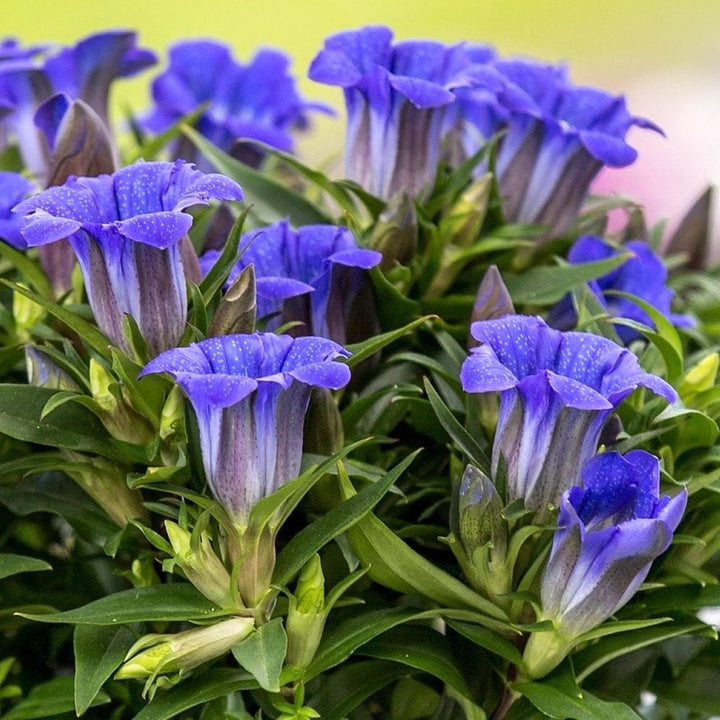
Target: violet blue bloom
84, 71
609, 532
558, 138
556, 392
257, 101
13, 188
643, 275
87, 69
23, 87
397, 98
311, 275
250, 394
126, 230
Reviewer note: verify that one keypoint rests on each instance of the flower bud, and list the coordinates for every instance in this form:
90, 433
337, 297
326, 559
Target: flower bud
105, 482
43, 372
154, 655
172, 416
306, 614
462, 222
699, 378
236, 312
483, 533
202, 567
26, 313
396, 233
114, 409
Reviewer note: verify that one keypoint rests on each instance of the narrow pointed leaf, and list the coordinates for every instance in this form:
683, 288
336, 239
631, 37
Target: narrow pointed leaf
99, 651
179, 601
11, 564
313, 537
270, 199
89, 333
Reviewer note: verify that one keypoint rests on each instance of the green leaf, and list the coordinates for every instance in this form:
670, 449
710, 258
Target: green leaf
99, 650
30, 270
262, 654
494, 642
49, 699
311, 538
456, 431
666, 338
558, 703
11, 564
598, 654
56, 493
276, 508
547, 285
92, 336
69, 426
422, 648
396, 565
271, 200
205, 687
678, 598
367, 348
179, 601
219, 272
337, 191
393, 307
341, 641
350, 686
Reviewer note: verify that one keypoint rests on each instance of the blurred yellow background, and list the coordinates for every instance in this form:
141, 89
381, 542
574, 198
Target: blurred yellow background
664, 54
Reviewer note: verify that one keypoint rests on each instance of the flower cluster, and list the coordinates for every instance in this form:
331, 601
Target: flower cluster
257, 101
84, 71
229, 393
416, 103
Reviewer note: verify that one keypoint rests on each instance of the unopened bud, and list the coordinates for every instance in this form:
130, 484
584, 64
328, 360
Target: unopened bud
396, 233
202, 567
163, 654
492, 299
480, 520
105, 482
121, 420
236, 312
172, 416
463, 221
43, 372
306, 614
26, 313
699, 377
482, 532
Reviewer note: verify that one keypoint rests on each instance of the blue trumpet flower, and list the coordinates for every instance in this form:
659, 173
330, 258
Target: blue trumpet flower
87, 69
126, 230
558, 137
256, 101
250, 394
556, 392
643, 275
13, 188
609, 532
84, 71
311, 275
396, 98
